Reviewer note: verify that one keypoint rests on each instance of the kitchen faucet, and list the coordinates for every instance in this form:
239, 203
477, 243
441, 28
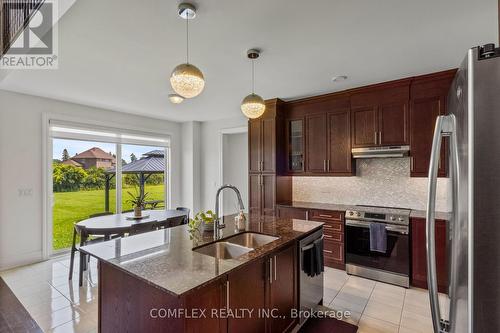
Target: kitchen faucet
217, 224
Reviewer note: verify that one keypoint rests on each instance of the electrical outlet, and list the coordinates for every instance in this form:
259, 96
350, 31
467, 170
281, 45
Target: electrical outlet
25, 192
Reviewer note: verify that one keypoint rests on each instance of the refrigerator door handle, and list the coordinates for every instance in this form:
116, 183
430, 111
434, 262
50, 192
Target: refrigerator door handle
445, 126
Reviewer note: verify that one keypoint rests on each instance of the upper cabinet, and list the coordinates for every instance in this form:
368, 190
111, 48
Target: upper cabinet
295, 145
428, 101
262, 146
380, 115
324, 142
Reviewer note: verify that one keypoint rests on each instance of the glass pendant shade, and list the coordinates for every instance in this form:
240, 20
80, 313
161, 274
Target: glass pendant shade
253, 106
175, 98
187, 80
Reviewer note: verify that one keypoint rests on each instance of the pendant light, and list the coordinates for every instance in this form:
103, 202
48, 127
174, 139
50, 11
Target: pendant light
253, 106
186, 79
175, 98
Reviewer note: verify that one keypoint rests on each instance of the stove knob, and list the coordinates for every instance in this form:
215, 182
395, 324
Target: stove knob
351, 213
358, 214
392, 218
400, 219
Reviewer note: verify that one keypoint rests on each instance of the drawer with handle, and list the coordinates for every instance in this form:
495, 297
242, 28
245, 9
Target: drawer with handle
325, 215
333, 250
330, 226
333, 236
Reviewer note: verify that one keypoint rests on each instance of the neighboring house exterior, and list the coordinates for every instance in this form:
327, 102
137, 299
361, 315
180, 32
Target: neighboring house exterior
71, 162
94, 157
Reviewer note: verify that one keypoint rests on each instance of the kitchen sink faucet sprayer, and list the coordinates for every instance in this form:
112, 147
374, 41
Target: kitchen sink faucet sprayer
217, 224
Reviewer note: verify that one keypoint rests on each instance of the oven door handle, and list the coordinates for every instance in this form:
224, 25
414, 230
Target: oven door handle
395, 228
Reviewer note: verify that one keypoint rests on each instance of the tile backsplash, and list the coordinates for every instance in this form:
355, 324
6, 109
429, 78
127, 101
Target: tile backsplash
378, 181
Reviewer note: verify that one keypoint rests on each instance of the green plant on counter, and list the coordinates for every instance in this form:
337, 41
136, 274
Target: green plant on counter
207, 217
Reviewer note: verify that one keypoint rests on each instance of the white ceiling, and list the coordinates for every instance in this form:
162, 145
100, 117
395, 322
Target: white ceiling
118, 54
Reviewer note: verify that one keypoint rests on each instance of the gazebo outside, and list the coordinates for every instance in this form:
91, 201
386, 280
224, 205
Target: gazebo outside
151, 163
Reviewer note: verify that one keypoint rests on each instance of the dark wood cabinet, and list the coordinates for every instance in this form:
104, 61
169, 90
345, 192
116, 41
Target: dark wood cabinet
262, 190
283, 289
254, 145
246, 290
210, 297
255, 193
333, 234
316, 143
364, 126
393, 124
292, 213
268, 194
262, 147
380, 114
267, 161
428, 101
295, 145
339, 143
419, 254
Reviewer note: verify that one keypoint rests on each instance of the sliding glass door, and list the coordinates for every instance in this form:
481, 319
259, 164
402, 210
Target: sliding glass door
97, 171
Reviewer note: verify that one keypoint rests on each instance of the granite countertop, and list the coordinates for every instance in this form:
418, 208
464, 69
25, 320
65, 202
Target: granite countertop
165, 258
341, 207
439, 215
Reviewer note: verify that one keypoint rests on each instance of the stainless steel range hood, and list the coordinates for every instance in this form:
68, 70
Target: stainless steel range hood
381, 152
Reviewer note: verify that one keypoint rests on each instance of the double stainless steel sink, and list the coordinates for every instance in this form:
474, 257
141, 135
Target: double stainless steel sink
235, 246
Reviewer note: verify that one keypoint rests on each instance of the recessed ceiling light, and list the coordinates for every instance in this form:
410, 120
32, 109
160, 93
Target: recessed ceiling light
175, 99
339, 78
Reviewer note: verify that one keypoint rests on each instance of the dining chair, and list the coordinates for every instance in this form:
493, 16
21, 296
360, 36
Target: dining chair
83, 258
187, 211
172, 222
140, 228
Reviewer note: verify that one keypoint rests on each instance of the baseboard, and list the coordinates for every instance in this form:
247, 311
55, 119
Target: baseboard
20, 260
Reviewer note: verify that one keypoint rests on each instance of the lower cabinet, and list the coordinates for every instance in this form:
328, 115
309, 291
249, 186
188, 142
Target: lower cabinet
246, 290
267, 288
333, 234
283, 289
419, 254
292, 213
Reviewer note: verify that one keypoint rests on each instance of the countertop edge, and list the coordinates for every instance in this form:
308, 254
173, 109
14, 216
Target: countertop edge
243, 264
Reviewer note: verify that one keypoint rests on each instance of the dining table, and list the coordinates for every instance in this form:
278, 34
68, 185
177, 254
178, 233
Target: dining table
117, 225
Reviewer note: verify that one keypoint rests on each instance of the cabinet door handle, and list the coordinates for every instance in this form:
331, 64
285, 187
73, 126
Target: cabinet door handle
327, 236
307, 215
411, 163
325, 215
375, 137
327, 251
380, 137
275, 270
327, 165
227, 295
271, 270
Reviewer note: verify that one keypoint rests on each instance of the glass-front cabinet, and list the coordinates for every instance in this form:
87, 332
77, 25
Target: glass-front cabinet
295, 145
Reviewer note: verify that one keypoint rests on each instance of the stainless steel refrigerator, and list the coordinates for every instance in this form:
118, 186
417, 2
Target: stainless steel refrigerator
473, 128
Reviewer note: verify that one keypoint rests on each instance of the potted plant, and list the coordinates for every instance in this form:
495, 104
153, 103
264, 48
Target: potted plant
203, 219
137, 200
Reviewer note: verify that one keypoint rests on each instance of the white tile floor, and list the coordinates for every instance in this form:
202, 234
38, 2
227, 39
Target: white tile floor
60, 306
378, 307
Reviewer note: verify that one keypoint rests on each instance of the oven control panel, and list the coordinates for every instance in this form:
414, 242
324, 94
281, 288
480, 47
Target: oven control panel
389, 217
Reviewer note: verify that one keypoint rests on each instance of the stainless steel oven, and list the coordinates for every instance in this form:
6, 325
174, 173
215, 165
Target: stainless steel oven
391, 266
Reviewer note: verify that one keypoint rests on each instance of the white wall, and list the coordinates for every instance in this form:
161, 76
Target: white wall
235, 170
210, 156
191, 166
21, 216
379, 182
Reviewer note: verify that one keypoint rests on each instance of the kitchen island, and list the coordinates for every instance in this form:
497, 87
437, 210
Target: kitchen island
162, 281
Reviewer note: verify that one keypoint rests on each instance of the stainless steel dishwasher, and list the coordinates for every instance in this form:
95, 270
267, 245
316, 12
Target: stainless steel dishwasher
311, 288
